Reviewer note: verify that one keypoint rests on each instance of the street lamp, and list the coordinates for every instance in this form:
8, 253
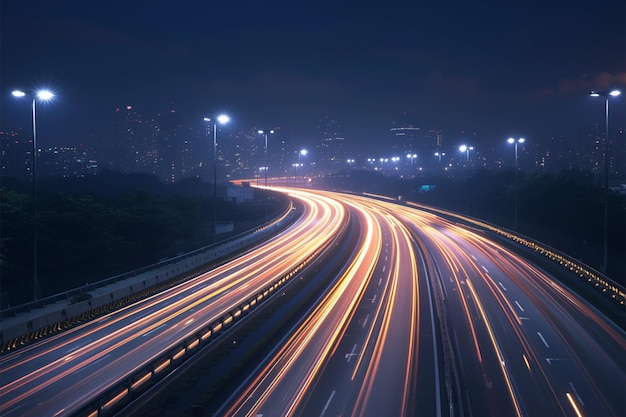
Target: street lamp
302, 152
412, 156
515, 142
265, 133
221, 119
606, 95
41, 95
466, 149
439, 155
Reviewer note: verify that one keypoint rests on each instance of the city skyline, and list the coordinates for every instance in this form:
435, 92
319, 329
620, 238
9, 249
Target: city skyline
163, 145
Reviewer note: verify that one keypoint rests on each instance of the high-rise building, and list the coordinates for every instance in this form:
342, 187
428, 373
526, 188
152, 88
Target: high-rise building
331, 145
136, 140
169, 146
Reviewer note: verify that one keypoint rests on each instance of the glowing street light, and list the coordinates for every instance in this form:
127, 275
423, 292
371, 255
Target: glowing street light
221, 119
606, 95
466, 149
515, 142
412, 156
41, 95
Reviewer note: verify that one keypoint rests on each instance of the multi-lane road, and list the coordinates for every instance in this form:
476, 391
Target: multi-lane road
425, 317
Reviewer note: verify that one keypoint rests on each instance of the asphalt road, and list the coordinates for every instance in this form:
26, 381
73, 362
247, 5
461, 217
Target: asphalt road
425, 317
521, 344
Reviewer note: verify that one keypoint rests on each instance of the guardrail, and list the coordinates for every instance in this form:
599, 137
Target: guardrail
32, 321
140, 380
596, 278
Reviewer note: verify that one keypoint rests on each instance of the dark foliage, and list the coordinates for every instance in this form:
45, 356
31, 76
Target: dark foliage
90, 229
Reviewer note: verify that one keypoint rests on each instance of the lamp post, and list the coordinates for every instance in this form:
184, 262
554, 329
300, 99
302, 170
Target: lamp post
301, 153
439, 155
606, 95
265, 133
222, 119
466, 149
42, 95
515, 142
411, 156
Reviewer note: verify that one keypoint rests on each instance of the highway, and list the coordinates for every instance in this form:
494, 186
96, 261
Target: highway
424, 318
57, 375
520, 343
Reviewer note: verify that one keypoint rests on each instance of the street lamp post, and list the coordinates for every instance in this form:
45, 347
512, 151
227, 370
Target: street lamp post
411, 156
301, 153
42, 95
515, 142
265, 133
222, 119
439, 155
466, 149
606, 95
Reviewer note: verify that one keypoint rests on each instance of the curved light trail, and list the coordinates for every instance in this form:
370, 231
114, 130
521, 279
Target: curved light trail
522, 344
59, 374
425, 318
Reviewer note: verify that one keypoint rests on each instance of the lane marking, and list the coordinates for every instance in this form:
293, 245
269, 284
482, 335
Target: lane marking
384, 267
330, 398
153, 330
543, 340
484, 269
365, 321
380, 281
503, 287
374, 298
519, 306
576, 394
351, 354
473, 257
92, 363
550, 360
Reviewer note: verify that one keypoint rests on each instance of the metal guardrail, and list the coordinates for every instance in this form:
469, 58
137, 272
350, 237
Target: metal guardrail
77, 292
595, 277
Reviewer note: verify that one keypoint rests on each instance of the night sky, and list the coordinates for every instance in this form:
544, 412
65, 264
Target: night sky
500, 68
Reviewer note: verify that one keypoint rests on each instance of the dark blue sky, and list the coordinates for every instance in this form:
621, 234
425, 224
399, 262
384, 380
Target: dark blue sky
499, 68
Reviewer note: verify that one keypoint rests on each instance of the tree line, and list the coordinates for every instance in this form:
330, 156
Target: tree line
91, 229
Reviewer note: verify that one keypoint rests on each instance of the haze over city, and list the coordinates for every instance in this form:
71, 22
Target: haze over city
497, 69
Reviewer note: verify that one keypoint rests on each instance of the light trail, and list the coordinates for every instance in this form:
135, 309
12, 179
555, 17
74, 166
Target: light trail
377, 314
48, 379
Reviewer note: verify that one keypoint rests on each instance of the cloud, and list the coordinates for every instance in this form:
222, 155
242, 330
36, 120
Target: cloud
577, 86
455, 86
